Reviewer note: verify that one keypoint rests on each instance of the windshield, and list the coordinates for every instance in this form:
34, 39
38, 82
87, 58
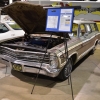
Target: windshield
14, 25
74, 30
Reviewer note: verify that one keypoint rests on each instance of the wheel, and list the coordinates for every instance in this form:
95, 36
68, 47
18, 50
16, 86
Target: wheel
92, 51
64, 74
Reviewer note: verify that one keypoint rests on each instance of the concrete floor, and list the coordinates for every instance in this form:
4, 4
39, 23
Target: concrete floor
85, 79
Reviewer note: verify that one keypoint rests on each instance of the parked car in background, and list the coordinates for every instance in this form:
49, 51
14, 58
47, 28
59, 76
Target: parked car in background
6, 18
26, 55
10, 30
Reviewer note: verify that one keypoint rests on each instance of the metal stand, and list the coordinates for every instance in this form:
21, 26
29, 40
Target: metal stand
71, 87
41, 64
68, 81
66, 53
6, 70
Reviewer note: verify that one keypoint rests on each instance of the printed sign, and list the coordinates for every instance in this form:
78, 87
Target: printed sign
59, 19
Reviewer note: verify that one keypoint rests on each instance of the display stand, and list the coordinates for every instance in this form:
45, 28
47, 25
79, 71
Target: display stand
59, 20
6, 70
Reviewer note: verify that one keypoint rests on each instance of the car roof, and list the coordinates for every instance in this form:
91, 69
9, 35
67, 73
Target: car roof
82, 21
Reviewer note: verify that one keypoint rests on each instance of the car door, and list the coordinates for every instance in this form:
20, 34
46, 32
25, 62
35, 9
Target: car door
88, 39
87, 36
93, 36
5, 33
95, 31
83, 35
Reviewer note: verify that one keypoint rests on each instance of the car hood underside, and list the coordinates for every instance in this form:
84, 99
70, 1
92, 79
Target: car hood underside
31, 18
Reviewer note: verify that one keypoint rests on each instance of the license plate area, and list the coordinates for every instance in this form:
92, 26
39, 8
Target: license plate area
17, 67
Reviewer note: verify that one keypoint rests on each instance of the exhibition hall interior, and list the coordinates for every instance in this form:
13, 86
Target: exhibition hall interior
49, 49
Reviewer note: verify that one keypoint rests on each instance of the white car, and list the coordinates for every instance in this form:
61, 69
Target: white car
10, 30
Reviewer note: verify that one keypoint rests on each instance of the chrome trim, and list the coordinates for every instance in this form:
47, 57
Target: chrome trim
22, 51
25, 55
32, 67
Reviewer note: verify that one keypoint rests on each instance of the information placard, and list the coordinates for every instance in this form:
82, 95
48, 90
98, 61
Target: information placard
60, 19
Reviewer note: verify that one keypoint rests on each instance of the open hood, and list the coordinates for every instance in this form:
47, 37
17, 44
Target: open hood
30, 17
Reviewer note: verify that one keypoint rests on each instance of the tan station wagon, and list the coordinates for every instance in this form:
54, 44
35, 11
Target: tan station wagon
25, 54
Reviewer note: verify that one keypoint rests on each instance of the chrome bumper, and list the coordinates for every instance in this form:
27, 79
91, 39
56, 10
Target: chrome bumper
31, 67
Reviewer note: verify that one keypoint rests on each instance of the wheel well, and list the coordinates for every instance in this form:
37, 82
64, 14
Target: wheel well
74, 58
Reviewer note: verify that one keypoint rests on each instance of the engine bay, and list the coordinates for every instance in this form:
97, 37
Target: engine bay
38, 44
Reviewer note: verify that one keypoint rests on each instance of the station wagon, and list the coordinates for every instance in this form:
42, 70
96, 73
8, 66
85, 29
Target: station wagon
25, 54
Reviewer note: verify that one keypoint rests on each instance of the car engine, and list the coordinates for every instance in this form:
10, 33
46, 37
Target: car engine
37, 44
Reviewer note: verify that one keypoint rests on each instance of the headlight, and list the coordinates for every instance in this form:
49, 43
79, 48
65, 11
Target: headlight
53, 61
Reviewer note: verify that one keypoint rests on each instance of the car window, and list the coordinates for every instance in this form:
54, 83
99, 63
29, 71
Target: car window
3, 28
97, 24
93, 27
74, 30
82, 30
88, 28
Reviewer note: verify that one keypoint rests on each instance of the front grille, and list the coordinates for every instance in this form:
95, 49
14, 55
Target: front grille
25, 56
